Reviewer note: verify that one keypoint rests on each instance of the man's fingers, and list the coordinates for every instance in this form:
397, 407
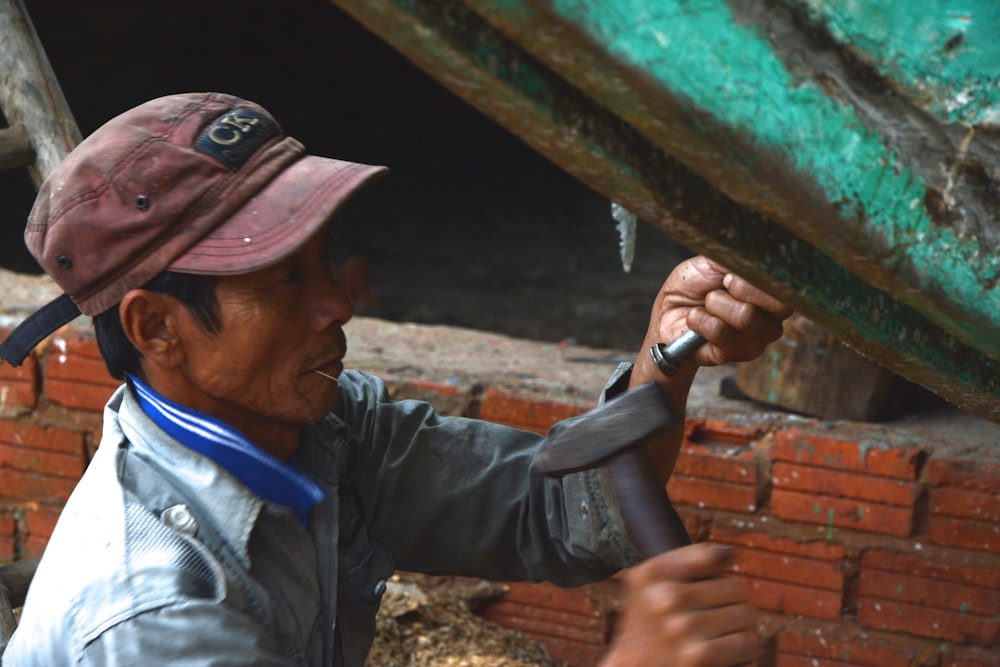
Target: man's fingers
744, 318
737, 648
690, 563
683, 610
744, 291
719, 592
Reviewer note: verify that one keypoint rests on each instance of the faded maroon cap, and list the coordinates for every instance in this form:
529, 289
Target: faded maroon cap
200, 183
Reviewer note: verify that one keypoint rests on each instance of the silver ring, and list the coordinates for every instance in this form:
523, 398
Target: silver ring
667, 366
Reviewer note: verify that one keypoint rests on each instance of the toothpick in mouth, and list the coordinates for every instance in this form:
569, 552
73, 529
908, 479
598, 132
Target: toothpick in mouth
326, 375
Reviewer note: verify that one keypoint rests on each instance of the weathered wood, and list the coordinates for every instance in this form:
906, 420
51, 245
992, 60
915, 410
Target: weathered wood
748, 132
15, 148
30, 95
811, 372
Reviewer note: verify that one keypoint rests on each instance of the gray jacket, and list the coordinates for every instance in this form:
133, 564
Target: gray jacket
161, 557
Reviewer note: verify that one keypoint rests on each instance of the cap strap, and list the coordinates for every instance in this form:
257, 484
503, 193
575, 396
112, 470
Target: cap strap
29, 333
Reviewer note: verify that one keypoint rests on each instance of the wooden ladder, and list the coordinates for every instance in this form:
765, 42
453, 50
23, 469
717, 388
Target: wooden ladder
41, 129
40, 134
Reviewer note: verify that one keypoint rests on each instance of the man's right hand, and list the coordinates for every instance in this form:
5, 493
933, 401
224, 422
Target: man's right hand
682, 610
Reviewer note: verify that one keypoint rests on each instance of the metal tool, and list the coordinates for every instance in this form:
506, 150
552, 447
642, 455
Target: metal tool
612, 435
667, 357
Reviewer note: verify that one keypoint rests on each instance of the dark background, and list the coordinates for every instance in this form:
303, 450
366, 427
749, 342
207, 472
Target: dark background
472, 228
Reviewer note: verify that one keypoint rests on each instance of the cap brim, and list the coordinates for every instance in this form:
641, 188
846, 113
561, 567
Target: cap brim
278, 219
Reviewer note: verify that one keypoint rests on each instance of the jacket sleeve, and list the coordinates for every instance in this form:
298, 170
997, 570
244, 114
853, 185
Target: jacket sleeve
450, 495
193, 634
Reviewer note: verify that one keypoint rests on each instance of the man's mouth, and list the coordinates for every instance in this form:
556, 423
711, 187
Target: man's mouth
330, 369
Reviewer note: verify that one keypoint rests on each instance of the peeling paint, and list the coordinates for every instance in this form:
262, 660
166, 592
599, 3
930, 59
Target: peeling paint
735, 77
944, 54
637, 136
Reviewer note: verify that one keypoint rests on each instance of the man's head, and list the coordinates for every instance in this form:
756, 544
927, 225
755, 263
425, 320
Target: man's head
204, 185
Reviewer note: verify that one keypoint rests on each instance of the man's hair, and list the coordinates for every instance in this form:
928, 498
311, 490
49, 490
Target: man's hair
196, 292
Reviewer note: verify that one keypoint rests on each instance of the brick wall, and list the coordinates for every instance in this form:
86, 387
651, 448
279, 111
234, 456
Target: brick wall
862, 544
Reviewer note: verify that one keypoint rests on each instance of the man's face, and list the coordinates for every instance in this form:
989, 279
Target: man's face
279, 325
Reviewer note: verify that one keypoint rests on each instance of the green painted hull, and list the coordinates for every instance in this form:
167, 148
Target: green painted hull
843, 154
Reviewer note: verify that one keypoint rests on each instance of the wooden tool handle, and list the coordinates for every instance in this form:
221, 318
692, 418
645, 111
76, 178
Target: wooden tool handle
652, 523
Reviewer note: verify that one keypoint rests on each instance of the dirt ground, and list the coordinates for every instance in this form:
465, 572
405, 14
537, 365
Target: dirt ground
426, 621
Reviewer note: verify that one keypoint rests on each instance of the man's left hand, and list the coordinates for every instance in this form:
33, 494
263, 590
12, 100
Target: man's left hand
736, 319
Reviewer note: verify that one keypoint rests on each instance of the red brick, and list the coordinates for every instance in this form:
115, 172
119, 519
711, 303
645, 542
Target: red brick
842, 513
720, 432
964, 533
815, 549
447, 399
694, 523
19, 386
42, 522
8, 526
577, 600
839, 484
867, 456
965, 504
573, 628
735, 465
970, 656
957, 566
26, 434
921, 621
7, 549
786, 568
75, 375
896, 587
78, 395
573, 624
426, 386
18, 395
541, 621
520, 411
49, 463
813, 649
980, 476
35, 546
74, 368
32, 486
792, 599
704, 493
783, 660
76, 341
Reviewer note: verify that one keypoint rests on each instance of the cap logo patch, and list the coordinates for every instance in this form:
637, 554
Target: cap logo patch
235, 136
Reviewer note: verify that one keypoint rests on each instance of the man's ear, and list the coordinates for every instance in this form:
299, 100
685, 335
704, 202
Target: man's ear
149, 321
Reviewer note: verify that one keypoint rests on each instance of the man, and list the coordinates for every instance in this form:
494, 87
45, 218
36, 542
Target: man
250, 497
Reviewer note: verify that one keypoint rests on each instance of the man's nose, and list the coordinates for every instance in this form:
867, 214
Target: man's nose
331, 306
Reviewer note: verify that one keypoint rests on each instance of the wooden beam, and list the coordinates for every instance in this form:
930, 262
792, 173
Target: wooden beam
15, 148
691, 117
30, 95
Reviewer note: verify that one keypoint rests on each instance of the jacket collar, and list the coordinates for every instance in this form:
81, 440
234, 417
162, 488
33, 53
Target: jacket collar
265, 475
233, 509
